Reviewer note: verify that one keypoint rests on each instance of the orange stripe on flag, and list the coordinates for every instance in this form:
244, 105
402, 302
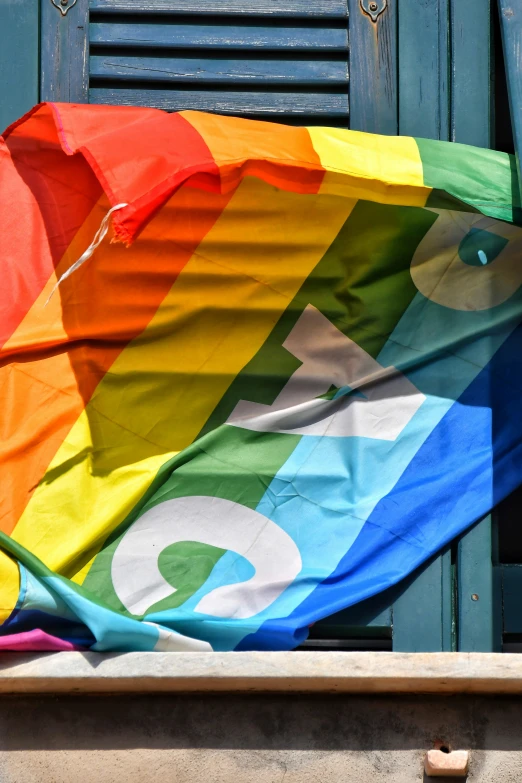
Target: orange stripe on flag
60, 352
284, 156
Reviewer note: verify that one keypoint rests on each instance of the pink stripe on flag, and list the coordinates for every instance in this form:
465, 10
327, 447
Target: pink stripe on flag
36, 640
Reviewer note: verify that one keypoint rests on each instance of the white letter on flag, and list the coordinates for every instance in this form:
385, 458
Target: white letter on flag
385, 402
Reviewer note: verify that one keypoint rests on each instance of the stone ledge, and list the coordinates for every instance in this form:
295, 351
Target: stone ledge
257, 672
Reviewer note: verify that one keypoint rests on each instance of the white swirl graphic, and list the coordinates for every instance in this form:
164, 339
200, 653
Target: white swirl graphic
221, 523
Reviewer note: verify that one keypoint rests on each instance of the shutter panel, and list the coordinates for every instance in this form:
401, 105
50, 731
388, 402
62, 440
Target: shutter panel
19, 31
508, 554
489, 561
250, 59
508, 570
445, 79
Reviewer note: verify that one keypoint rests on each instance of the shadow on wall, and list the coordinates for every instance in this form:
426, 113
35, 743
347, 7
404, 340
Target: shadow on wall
219, 738
260, 722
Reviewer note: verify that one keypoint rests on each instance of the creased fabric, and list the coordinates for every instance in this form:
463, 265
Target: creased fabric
288, 375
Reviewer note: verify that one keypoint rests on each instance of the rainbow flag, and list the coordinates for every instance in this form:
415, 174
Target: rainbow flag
289, 374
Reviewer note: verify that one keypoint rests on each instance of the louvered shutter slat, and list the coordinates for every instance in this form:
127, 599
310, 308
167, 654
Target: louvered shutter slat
222, 102
223, 57
221, 37
218, 71
327, 9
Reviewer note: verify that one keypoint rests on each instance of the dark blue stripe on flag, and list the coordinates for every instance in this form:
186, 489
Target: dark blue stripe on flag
471, 461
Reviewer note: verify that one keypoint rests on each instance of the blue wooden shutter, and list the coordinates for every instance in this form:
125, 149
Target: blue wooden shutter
445, 91
19, 33
507, 530
293, 60
248, 58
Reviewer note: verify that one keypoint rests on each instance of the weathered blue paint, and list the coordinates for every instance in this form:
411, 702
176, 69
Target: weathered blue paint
227, 70
64, 53
373, 70
19, 32
479, 606
334, 105
423, 614
326, 9
292, 62
471, 72
424, 68
511, 29
208, 36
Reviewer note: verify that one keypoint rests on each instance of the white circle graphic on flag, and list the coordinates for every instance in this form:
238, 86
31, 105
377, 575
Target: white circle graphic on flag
451, 267
221, 523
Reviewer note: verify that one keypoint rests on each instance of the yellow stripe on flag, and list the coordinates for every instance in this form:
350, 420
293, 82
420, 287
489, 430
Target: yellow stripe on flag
162, 388
386, 169
9, 586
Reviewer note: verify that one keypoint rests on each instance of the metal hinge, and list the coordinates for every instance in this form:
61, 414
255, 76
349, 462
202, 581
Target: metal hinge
373, 8
64, 5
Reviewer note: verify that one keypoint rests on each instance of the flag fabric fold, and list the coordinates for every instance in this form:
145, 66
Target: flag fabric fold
288, 375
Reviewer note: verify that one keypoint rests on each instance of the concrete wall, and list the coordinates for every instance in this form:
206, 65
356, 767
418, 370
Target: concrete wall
253, 738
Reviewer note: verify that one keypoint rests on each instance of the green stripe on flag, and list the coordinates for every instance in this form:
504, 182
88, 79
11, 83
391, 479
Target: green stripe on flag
362, 285
484, 179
